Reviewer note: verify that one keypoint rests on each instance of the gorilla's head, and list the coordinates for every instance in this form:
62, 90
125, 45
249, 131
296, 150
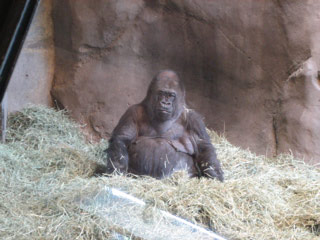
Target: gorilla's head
165, 99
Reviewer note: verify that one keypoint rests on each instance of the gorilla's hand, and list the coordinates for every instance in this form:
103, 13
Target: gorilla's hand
117, 157
214, 173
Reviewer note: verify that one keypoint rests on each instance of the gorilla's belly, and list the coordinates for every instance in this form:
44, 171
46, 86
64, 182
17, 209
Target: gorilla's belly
157, 157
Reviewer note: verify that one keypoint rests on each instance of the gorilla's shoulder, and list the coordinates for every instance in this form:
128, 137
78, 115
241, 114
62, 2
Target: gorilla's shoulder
136, 111
191, 115
194, 121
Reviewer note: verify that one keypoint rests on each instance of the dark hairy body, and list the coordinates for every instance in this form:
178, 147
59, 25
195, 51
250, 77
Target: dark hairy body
160, 136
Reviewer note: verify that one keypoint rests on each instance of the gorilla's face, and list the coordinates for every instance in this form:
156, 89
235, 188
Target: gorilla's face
165, 98
165, 103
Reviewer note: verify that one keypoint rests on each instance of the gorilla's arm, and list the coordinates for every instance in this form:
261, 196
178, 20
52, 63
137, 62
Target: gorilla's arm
124, 133
206, 157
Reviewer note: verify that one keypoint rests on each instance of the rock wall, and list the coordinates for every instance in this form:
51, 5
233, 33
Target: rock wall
32, 77
250, 67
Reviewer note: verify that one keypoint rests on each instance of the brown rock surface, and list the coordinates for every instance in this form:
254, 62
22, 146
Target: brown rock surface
250, 66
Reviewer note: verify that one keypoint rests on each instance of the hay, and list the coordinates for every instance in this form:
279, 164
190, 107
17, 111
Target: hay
47, 164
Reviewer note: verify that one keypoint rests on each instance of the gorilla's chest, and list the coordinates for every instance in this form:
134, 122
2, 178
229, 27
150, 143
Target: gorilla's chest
159, 157
175, 136
161, 152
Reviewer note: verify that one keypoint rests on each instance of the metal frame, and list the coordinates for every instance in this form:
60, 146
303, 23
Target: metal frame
14, 25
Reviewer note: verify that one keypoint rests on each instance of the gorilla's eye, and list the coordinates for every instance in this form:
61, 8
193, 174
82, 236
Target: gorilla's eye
161, 93
172, 95
166, 95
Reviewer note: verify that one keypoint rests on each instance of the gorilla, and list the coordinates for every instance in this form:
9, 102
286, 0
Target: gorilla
161, 135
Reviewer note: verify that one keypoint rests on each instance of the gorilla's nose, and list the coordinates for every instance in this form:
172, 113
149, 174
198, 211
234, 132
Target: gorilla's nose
165, 104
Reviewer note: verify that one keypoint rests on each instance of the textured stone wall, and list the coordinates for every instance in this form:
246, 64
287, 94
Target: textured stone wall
33, 74
250, 67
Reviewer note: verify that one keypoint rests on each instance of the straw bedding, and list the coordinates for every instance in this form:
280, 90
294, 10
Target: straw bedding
46, 163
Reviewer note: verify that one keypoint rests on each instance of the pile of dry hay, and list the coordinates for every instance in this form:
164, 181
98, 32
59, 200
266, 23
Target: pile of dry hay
47, 163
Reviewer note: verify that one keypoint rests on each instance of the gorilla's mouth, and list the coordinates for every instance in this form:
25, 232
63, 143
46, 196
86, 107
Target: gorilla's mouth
164, 110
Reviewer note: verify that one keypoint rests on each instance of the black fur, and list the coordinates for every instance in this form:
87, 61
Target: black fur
160, 136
